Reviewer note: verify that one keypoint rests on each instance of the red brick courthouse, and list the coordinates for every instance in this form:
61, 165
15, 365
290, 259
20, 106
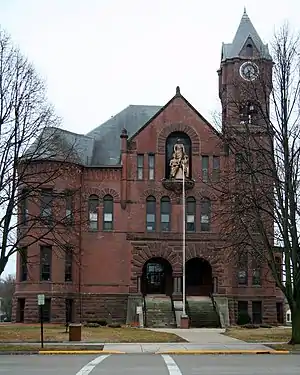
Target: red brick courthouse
129, 181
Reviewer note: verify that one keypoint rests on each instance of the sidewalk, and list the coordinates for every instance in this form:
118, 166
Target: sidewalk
198, 340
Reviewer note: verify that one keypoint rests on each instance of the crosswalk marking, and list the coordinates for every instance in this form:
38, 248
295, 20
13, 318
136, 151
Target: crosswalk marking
171, 365
91, 365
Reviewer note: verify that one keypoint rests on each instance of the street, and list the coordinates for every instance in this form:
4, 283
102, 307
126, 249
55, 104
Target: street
149, 364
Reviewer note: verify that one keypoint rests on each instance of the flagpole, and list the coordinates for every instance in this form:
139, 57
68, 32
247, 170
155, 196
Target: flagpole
183, 243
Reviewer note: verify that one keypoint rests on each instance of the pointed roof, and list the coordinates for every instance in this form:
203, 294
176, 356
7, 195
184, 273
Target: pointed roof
245, 31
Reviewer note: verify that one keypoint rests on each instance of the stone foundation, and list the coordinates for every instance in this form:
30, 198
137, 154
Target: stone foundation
87, 307
269, 310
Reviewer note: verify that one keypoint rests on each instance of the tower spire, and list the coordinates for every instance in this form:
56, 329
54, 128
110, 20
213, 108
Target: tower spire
245, 32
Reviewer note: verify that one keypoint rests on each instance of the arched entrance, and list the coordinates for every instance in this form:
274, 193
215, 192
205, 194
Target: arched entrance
157, 277
198, 280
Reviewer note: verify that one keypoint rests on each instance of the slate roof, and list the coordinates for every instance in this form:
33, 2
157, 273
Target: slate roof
100, 147
245, 31
107, 136
59, 144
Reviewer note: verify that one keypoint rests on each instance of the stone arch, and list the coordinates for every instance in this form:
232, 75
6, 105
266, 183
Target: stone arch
189, 130
207, 194
157, 277
92, 191
109, 191
141, 254
157, 194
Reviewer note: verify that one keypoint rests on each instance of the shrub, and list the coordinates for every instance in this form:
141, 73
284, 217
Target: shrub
243, 318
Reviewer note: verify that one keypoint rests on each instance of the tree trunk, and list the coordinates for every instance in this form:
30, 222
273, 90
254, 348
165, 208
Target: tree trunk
295, 325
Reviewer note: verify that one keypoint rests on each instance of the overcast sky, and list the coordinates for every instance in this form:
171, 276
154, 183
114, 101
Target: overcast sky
99, 56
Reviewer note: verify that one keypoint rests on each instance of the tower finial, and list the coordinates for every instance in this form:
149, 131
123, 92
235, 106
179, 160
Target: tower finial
245, 15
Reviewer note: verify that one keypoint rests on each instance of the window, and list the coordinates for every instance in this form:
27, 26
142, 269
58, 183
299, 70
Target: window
238, 162
249, 50
151, 165
190, 214
45, 263
20, 310
256, 272
278, 267
165, 210
216, 168
150, 214
205, 214
256, 312
108, 209
24, 206
47, 311
242, 312
93, 212
69, 310
242, 307
46, 204
68, 263
243, 268
140, 167
280, 312
23, 264
69, 207
205, 161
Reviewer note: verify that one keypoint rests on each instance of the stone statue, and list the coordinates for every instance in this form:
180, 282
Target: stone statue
180, 162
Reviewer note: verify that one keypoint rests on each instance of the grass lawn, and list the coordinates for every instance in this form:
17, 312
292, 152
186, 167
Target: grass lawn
31, 333
260, 334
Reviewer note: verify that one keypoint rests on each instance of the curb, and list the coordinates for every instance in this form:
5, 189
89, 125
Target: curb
70, 352
19, 352
225, 352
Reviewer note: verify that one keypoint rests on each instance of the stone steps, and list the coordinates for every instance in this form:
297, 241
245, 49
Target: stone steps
202, 313
159, 312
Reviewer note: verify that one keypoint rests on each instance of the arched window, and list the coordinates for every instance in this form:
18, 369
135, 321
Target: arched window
165, 214
150, 214
205, 215
93, 212
191, 214
249, 50
108, 210
170, 143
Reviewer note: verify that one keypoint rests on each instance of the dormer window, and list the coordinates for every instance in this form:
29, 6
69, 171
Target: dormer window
249, 50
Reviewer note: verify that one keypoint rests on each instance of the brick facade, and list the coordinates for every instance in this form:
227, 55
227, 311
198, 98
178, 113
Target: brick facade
111, 263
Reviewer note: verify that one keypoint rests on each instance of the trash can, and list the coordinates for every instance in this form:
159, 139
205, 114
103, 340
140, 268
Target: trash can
75, 332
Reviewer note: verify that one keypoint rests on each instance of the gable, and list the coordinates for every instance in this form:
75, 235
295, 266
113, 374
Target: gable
177, 115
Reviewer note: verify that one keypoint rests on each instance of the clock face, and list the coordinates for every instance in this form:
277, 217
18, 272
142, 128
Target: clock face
249, 71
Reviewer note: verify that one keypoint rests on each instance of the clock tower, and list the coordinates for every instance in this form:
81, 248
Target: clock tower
245, 77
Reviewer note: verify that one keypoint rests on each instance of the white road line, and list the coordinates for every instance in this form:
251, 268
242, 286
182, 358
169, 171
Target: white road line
91, 365
171, 365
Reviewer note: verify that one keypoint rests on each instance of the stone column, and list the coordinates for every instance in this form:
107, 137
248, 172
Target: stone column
139, 284
215, 285
177, 289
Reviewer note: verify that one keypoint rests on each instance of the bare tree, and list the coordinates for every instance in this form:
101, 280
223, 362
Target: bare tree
260, 188
33, 156
7, 289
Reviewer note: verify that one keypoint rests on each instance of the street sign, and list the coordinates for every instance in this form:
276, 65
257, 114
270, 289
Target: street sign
139, 310
41, 299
